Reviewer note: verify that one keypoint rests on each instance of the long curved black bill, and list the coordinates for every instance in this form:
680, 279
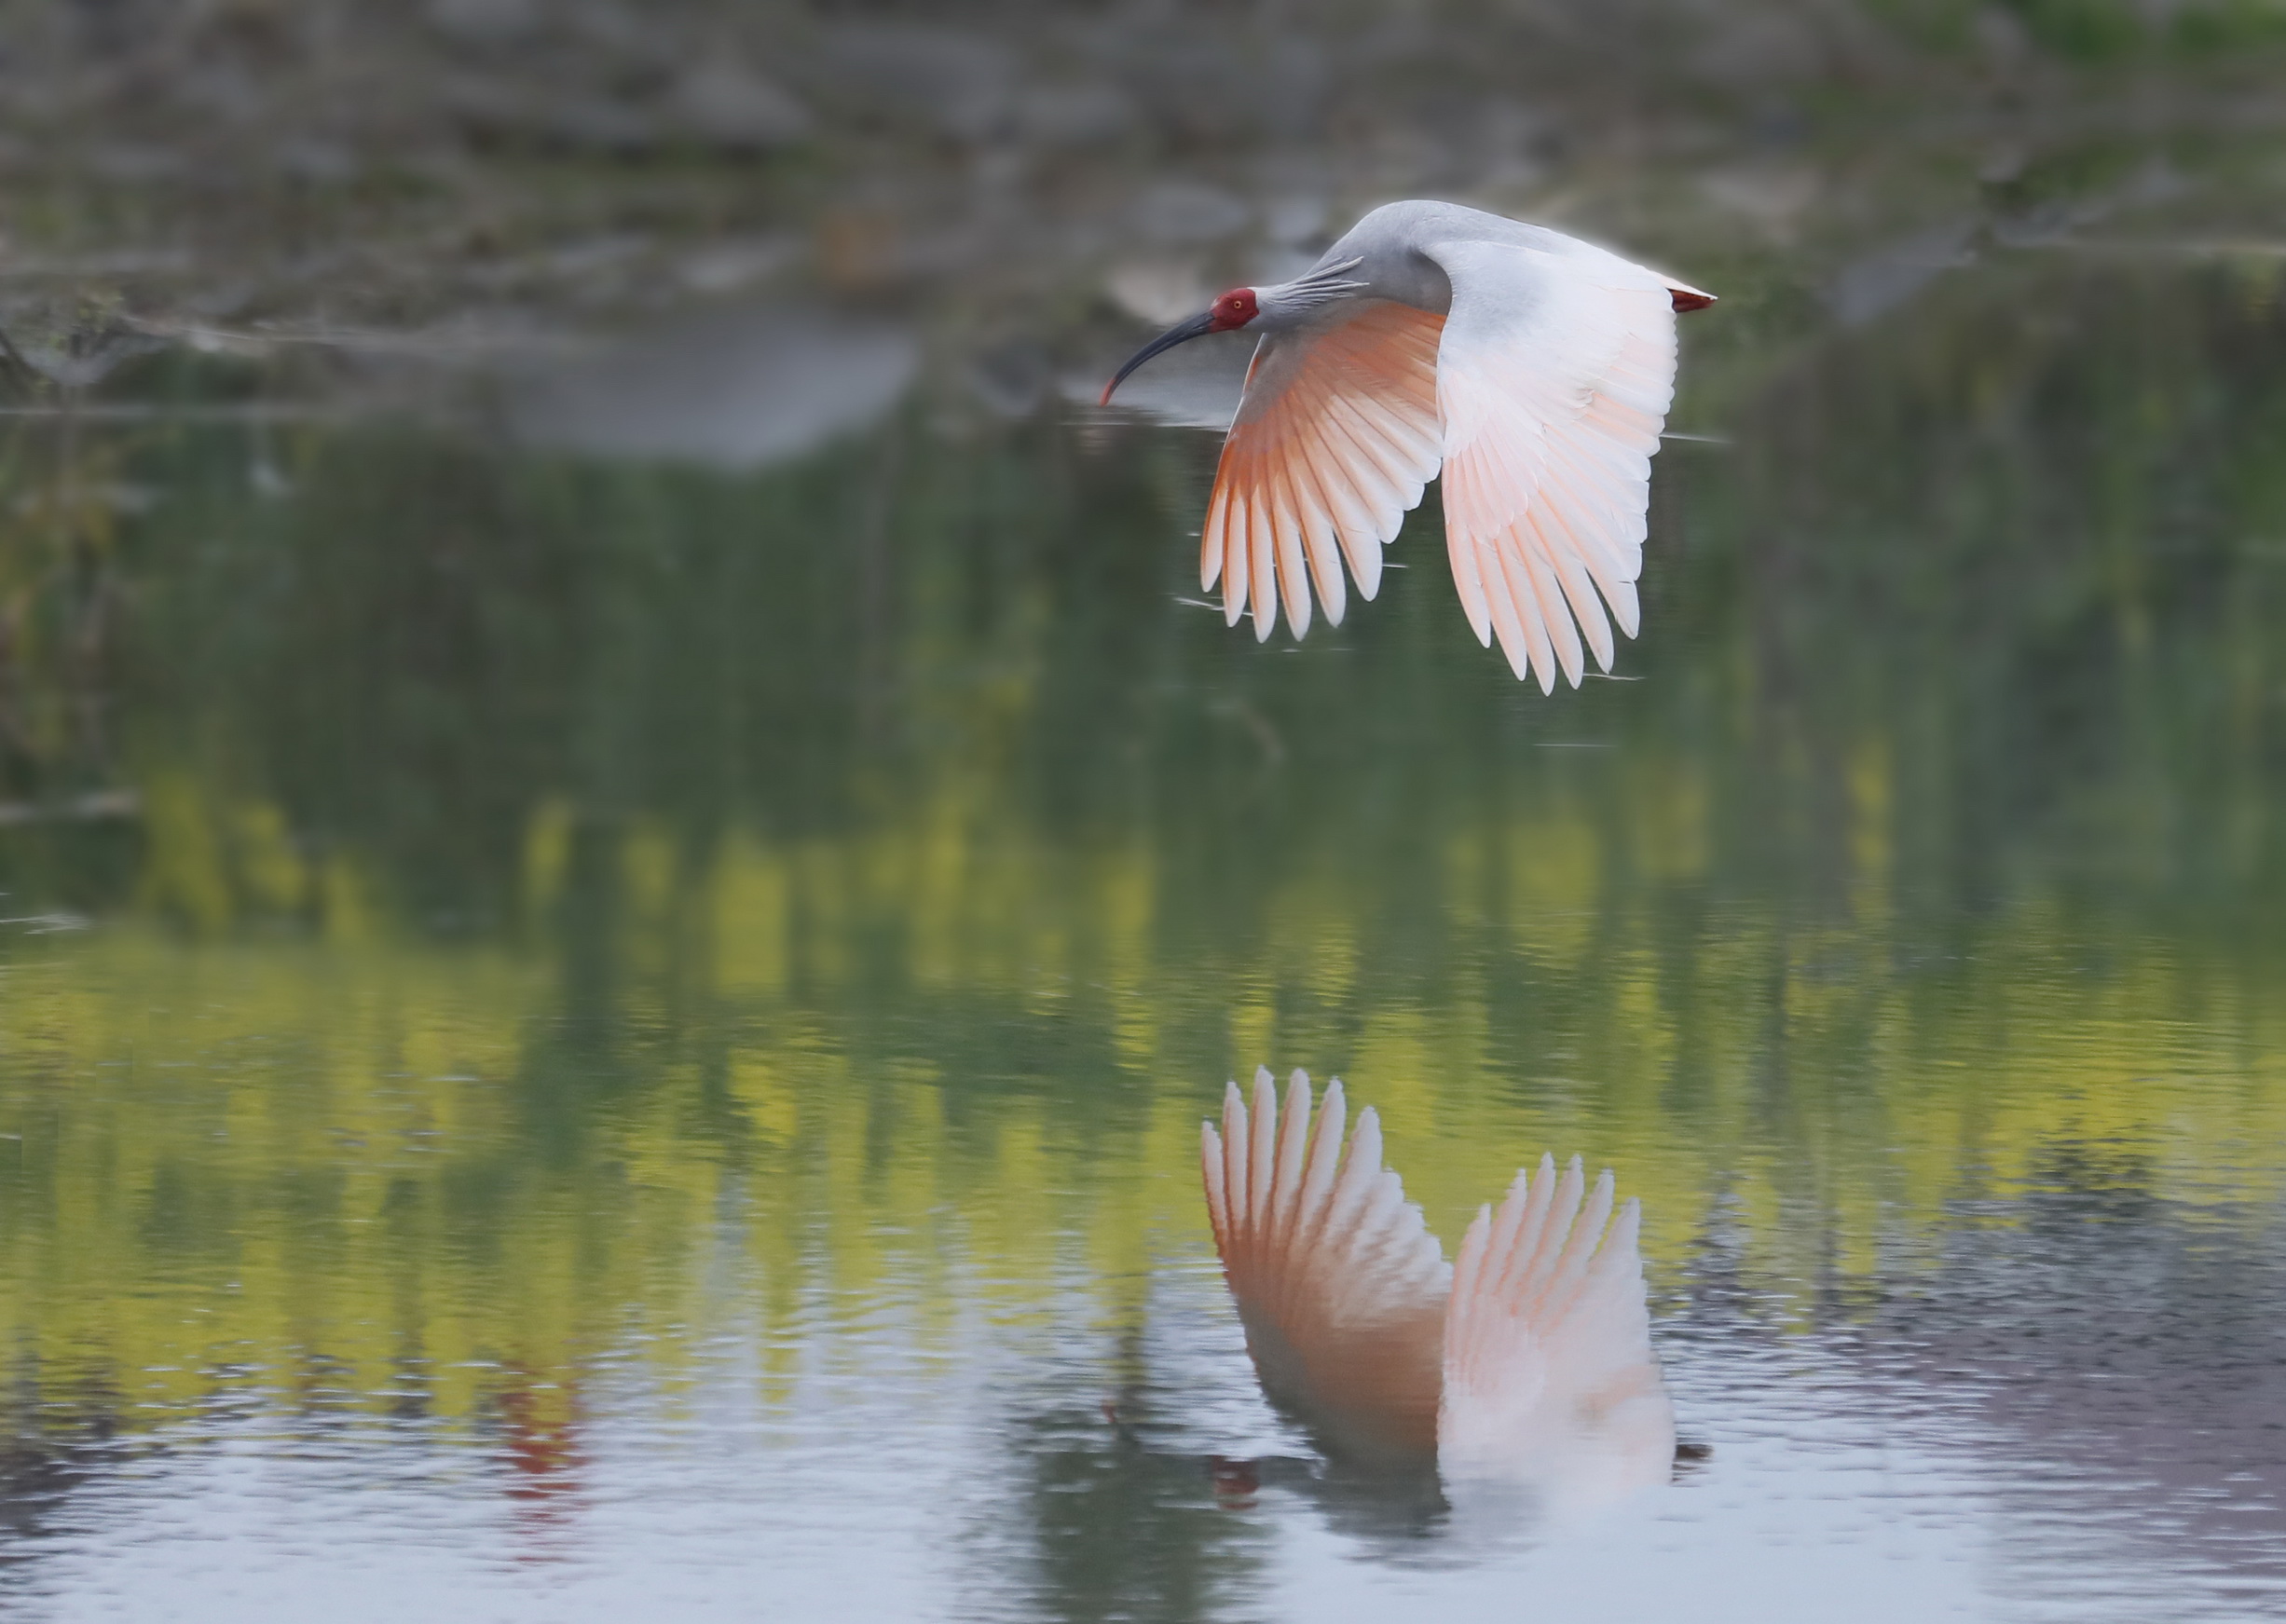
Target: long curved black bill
1195, 327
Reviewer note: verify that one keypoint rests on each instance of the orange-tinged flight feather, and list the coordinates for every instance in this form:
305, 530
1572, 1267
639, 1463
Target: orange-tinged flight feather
1333, 442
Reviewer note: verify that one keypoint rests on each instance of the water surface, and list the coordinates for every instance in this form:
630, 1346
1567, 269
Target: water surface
583, 1037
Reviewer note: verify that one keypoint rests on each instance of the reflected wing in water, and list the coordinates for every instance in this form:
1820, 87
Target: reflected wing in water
1339, 1283
1549, 1377
1529, 1365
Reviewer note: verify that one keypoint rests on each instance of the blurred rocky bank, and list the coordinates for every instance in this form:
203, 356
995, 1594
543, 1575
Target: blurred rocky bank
345, 193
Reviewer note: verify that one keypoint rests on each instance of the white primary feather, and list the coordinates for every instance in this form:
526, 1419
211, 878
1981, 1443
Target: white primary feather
1554, 377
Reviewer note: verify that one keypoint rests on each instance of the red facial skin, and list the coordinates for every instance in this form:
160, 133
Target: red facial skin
1236, 1482
1235, 309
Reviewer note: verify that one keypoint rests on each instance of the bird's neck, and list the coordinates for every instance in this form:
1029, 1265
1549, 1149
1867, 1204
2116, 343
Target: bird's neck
1283, 306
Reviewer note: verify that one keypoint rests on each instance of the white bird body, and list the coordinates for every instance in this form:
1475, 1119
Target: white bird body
1528, 1363
1531, 370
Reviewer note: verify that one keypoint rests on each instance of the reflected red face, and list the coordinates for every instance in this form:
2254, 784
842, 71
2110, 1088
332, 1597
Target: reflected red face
1236, 1482
1235, 309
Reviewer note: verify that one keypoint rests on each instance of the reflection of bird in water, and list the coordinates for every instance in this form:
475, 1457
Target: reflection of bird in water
1532, 370
1524, 1368
539, 1444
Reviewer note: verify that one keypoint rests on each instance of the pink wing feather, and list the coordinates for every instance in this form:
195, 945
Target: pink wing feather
1340, 1284
1549, 1374
1554, 372
1334, 441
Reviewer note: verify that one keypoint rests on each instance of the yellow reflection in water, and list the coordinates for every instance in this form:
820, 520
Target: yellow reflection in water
364, 1166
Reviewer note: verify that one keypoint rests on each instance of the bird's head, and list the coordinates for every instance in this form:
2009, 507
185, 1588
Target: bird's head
1235, 309
1228, 313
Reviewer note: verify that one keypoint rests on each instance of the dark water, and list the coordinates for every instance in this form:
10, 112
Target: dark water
583, 1039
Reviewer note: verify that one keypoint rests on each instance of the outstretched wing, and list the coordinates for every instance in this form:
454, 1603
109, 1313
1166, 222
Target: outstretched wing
1549, 1374
1554, 372
1340, 1284
1334, 441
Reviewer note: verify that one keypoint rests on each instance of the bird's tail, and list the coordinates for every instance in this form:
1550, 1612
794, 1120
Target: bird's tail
1685, 298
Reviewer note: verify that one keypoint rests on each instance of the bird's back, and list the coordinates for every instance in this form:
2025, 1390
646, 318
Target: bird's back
1389, 245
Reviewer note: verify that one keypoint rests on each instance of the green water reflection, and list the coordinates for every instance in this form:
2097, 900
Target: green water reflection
451, 891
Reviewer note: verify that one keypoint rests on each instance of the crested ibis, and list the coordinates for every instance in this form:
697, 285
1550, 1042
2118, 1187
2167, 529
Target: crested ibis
1530, 368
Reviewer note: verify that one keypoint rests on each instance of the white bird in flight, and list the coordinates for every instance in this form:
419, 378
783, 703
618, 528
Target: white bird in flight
1531, 369
1528, 1363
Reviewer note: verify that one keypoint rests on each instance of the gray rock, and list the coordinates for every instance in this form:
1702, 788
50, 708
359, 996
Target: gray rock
1190, 212
1296, 217
599, 124
725, 103
735, 388
961, 84
1071, 115
319, 161
485, 22
726, 266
